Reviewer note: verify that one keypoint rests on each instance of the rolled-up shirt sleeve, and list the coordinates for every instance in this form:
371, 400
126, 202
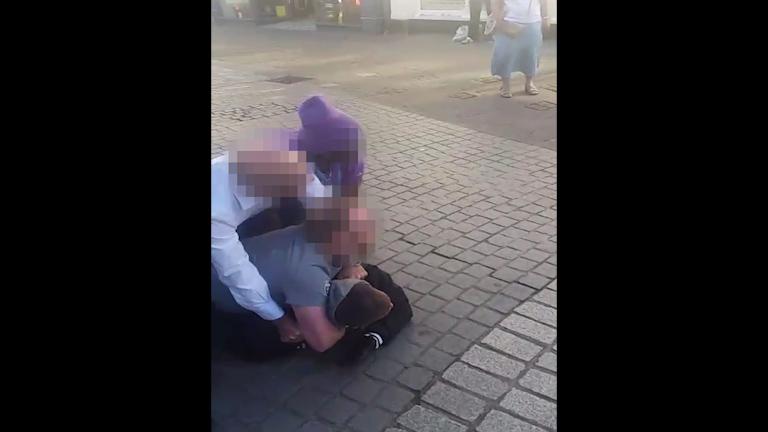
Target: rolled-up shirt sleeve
236, 271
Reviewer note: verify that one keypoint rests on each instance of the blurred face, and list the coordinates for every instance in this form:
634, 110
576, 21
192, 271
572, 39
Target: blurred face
271, 172
344, 229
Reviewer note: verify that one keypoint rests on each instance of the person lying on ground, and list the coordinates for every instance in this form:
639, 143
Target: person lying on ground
304, 268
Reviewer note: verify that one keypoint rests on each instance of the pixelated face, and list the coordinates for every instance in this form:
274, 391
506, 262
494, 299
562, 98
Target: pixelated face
343, 227
271, 172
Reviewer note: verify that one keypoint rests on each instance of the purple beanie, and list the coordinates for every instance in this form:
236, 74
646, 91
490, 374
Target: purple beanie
324, 128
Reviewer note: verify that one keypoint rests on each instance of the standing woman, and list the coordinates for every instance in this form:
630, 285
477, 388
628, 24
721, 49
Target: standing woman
517, 40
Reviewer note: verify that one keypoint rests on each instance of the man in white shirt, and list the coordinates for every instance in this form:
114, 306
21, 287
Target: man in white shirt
254, 177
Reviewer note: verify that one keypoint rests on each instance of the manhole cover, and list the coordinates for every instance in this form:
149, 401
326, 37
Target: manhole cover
541, 106
463, 95
288, 79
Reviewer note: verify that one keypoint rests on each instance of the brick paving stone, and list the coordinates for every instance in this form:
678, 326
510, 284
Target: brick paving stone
486, 316
362, 389
553, 285
440, 322
394, 398
435, 360
512, 345
469, 330
338, 410
384, 369
475, 380
493, 262
463, 242
415, 237
491, 284
417, 269
507, 253
454, 401
446, 292
282, 421
452, 344
546, 269
522, 264
430, 303
453, 266
485, 248
536, 255
390, 266
307, 401
421, 249
458, 308
522, 245
406, 258
502, 303
507, 274
433, 260
538, 312
548, 361
415, 377
478, 270
399, 246
371, 419
418, 315
474, 296
493, 362
314, 426
497, 421
401, 350
531, 407
518, 291
439, 275
462, 280
540, 382
534, 281
528, 327
448, 251
477, 235
547, 296
422, 286
422, 419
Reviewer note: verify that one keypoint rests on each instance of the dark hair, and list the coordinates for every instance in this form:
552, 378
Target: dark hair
362, 306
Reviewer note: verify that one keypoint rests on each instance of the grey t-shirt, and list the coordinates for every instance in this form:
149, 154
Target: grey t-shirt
296, 273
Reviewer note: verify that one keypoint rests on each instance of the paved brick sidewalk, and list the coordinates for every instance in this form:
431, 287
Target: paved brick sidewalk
470, 232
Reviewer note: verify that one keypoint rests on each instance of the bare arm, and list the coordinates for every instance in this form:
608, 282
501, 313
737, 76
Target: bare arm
318, 331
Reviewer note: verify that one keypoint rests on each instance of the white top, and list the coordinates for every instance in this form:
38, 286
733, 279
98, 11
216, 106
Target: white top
522, 11
229, 208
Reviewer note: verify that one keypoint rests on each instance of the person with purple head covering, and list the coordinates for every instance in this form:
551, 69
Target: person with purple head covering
334, 142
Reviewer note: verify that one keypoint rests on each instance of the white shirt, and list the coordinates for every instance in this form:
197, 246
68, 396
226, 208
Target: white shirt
229, 208
522, 11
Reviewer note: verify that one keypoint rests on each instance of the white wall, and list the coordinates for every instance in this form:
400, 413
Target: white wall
404, 9
409, 9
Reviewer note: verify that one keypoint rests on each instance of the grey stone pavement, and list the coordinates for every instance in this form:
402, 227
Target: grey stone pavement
469, 230
424, 74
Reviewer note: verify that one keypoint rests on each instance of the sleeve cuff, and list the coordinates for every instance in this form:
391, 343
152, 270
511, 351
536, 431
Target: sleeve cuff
271, 312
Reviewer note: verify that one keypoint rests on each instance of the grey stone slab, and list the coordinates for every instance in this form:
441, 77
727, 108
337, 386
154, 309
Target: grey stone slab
536, 255
307, 401
314, 426
493, 362
415, 377
422, 419
448, 251
384, 369
493, 262
518, 291
502, 303
338, 410
458, 308
548, 361
440, 322
486, 316
421, 335
497, 421
455, 401
401, 350
435, 360
532, 329
531, 407
507, 274
371, 419
547, 270
522, 264
469, 330
362, 389
478, 270
547, 296
475, 380
462, 281
534, 281
453, 265
540, 382
491, 284
394, 398
512, 345
422, 286
452, 344
433, 260
282, 421
430, 303
538, 312
446, 292
474, 296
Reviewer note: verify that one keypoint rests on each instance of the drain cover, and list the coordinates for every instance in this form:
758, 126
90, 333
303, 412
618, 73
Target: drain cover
463, 95
541, 106
288, 79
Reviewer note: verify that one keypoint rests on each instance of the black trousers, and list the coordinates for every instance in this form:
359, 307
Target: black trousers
252, 338
475, 7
